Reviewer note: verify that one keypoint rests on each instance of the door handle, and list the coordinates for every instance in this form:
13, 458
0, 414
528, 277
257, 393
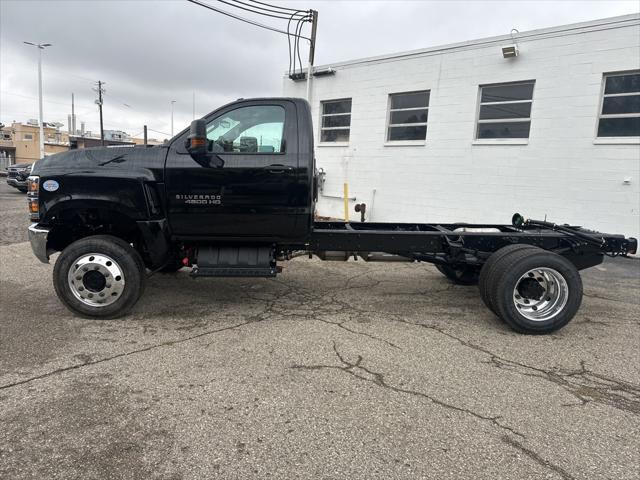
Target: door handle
279, 168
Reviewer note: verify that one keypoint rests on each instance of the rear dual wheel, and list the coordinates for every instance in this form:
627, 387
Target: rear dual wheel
99, 276
531, 290
487, 273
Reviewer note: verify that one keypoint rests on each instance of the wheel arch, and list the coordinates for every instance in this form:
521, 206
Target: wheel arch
74, 219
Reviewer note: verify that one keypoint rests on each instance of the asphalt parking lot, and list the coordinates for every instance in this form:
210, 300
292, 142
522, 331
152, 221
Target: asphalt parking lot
331, 371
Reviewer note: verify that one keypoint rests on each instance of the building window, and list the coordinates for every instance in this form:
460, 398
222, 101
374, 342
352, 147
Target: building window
505, 110
620, 112
408, 113
336, 120
27, 136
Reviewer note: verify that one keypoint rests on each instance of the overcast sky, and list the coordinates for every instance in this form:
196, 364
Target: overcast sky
152, 52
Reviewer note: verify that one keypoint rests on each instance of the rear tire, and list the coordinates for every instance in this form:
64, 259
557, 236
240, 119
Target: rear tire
460, 276
535, 291
99, 276
486, 274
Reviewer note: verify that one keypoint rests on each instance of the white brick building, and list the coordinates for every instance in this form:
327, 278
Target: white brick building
571, 165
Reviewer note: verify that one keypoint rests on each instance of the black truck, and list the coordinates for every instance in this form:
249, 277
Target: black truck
235, 194
17, 175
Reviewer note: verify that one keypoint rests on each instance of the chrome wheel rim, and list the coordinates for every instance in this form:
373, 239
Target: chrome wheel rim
96, 280
540, 294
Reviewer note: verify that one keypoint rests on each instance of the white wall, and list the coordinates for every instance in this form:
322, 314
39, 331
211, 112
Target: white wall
560, 173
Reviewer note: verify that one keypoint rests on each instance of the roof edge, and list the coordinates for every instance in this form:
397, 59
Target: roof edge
521, 38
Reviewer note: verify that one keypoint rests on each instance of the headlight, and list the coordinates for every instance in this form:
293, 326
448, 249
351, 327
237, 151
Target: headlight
33, 186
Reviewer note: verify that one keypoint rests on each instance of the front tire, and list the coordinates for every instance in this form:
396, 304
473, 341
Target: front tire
99, 276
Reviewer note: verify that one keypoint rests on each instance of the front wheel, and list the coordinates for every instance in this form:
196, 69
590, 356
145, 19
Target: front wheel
99, 276
536, 291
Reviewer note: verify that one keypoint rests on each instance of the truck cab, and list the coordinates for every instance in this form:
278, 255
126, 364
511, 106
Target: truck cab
254, 180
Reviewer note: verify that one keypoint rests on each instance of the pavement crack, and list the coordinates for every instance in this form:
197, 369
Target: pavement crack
356, 332
359, 371
537, 458
584, 385
324, 303
601, 297
122, 355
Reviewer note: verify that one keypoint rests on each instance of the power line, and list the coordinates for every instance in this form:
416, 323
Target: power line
82, 109
274, 6
229, 14
299, 26
301, 16
29, 96
283, 16
296, 47
289, 42
296, 12
296, 43
156, 131
119, 100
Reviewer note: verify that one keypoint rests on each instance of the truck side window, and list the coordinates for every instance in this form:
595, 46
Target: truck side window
255, 129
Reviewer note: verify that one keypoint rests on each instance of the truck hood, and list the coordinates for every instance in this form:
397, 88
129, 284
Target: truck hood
18, 166
105, 161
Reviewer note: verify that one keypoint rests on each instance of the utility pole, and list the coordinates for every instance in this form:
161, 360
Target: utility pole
312, 51
100, 91
145, 134
73, 116
172, 102
40, 46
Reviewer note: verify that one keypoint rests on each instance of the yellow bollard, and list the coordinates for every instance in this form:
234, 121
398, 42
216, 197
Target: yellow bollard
346, 202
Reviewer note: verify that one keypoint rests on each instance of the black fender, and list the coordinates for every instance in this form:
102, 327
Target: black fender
130, 202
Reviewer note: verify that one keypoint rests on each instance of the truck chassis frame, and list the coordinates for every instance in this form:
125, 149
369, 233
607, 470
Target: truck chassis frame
463, 244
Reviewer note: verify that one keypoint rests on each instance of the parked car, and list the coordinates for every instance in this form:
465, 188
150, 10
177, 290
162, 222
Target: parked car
17, 175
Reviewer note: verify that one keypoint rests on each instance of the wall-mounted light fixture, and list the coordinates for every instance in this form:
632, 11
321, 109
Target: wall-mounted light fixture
324, 71
511, 51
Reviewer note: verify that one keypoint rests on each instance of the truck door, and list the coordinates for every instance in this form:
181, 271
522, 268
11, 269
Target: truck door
255, 192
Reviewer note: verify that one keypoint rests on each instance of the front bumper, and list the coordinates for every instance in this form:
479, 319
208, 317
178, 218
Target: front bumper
38, 239
14, 182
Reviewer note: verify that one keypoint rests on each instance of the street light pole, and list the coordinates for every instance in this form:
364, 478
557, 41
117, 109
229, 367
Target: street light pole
40, 46
172, 102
